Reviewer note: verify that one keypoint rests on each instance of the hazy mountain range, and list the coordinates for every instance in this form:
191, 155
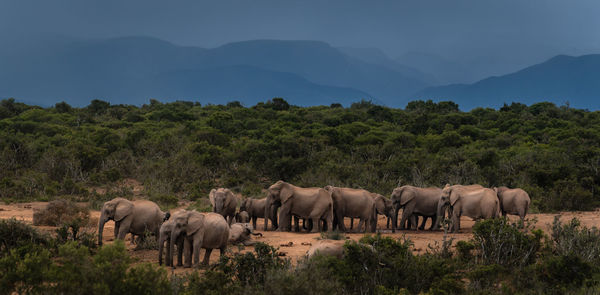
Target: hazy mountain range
132, 70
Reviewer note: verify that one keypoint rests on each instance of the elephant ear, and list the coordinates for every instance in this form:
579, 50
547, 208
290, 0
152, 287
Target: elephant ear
285, 193
195, 222
453, 197
406, 197
380, 204
231, 197
211, 197
123, 209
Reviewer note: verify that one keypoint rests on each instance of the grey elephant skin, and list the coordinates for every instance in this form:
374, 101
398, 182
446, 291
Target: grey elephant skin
513, 201
202, 230
255, 209
242, 217
353, 203
384, 207
135, 217
313, 203
240, 233
472, 201
224, 202
165, 237
326, 248
415, 201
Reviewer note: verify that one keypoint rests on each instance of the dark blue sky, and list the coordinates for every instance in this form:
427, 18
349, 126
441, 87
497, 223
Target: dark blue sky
516, 32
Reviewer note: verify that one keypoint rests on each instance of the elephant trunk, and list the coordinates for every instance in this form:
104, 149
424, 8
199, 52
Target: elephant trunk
101, 227
170, 252
395, 218
267, 213
161, 243
440, 214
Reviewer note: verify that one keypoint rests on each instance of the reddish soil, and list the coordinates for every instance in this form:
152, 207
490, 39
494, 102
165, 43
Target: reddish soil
300, 242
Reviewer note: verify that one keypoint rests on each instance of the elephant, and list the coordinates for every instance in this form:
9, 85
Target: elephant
311, 203
165, 237
415, 201
135, 217
384, 207
472, 201
327, 248
239, 233
255, 209
354, 203
202, 230
224, 202
242, 217
513, 201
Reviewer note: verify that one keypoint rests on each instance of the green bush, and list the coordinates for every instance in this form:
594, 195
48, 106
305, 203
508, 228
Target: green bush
15, 234
497, 241
573, 239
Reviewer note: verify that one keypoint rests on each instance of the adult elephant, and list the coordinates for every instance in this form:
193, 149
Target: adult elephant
311, 203
471, 201
202, 230
135, 217
255, 209
415, 201
353, 203
224, 202
165, 237
513, 201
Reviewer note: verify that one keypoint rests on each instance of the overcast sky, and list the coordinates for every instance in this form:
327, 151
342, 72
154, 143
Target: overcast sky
460, 30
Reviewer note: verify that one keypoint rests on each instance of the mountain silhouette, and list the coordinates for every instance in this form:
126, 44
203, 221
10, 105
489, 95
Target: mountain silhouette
132, 70
561, 79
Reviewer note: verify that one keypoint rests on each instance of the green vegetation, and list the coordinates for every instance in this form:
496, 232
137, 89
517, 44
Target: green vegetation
181, 150
528, 262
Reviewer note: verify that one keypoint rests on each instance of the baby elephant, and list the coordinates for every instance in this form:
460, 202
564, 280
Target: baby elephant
327, 248
242, 217
239, 233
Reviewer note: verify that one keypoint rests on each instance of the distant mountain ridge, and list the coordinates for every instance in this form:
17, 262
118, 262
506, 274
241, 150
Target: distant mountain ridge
135, 69
561, 79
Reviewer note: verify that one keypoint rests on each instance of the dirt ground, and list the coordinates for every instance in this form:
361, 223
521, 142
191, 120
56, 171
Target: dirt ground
295, 245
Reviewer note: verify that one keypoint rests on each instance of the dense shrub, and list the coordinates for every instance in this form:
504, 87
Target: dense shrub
15, 234
573, 239
497, 241
182, 149
59, 212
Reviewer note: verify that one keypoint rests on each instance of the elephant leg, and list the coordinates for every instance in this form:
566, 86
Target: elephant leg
181, 248
361, 222
387, 225
207, 256
117, 227
414, 222
124, 229
197, 246
297, 224
405, 216
319, 227
222, 251
455, 223
422, 227
188, 250
309, 226
254, 222
433, 222
351, 223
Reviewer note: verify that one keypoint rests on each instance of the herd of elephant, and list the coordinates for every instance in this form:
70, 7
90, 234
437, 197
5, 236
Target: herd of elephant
326, 208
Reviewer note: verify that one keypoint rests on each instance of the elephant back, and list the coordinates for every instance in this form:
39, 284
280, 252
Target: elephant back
216, 231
